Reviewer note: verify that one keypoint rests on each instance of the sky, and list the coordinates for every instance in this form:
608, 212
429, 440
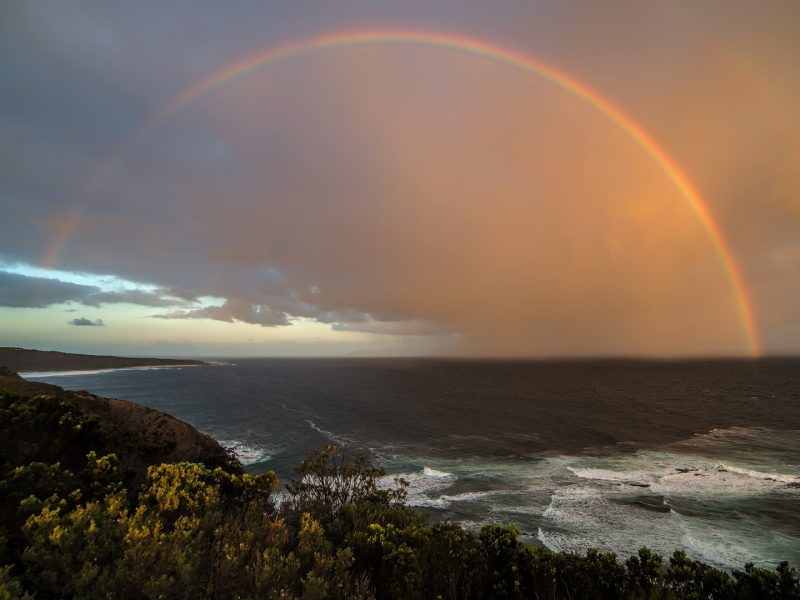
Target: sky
451, 178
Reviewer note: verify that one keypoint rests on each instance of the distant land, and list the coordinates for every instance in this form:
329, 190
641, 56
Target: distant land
20, 360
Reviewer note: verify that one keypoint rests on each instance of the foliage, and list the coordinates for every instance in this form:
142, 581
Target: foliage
332, 478
83, 527
44, 429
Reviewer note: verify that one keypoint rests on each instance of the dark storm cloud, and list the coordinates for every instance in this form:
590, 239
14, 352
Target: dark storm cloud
21, 291
83, 322
232, 311
279, 312
142, 298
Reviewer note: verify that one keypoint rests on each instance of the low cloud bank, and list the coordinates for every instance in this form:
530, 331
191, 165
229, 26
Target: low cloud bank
83, 322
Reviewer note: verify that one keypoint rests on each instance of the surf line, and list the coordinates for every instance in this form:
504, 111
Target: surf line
445, 41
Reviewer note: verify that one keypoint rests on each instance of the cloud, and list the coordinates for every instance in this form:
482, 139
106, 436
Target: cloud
233, 311
360, 188
23, 291
269, 309
140, 297
378, 215
20, 291
82, 322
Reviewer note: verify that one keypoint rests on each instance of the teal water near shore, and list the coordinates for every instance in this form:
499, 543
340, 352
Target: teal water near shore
700, 455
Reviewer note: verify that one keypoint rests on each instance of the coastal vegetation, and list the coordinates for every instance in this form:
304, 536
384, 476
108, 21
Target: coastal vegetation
90, 511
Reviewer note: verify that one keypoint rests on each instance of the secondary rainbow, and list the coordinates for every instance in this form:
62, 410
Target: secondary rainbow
468, 45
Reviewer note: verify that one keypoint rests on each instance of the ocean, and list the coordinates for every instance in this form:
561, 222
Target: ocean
613, 454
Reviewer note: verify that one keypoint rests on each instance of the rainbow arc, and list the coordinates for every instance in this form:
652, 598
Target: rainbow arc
468, 45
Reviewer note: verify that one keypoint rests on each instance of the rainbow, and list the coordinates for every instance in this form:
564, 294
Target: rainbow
457, 43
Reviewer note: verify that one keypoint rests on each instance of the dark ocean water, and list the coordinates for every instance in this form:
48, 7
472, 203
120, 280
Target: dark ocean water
610, 454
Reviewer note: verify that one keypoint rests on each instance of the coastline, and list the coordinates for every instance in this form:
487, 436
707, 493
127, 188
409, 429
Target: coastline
56, 373
578, 500
163, 453
42, 363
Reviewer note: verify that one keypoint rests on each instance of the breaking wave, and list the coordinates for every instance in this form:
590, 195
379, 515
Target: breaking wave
247, 455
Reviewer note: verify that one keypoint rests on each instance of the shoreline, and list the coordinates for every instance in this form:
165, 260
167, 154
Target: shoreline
41, 363
437, 504
74, 372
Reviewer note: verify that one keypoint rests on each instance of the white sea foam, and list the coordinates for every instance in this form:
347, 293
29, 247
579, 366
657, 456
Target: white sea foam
613, 504
582, 517
617, 503
446, 500
720, 480
339, 439
422, 486
727, 544
762, 475
472, 496
716, 552
682, 475
559, 541
505, 488
247, 455
429, 472
643, 477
